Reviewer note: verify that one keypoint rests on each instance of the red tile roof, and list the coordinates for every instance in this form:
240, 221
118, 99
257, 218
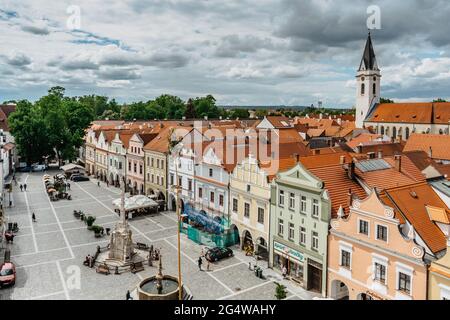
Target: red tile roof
439, 145
425, 113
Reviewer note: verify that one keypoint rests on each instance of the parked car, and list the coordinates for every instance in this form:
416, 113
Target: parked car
24, 169
80, 179
216, 254
76, 175
7, 274
39, 167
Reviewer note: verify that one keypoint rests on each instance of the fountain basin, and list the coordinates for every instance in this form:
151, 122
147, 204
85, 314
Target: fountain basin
147, 289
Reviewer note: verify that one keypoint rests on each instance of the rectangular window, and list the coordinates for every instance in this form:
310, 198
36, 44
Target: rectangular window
120, 165
364, 227
315, 212
248, 188
190, 184
200, 193
180, 182
141, 169
172, 179
303, 205
281, 198
211, 198
135, 168
162, 164
162, 181
404, 283
315, 241
280, 227
157, 163
302, 236
291, 232
157, 180
382, 233
380, 273
153, 178
345, 259
261, 215
291, 201
129, 166
235, 205
221, 200
210, 172
153, 162
247, 210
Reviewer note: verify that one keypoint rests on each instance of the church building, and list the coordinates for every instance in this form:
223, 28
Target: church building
395, 120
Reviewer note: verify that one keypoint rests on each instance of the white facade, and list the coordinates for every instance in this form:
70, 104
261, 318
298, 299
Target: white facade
117, 160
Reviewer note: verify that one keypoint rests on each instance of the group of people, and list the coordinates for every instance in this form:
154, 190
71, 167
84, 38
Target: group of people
23, 187
88, 261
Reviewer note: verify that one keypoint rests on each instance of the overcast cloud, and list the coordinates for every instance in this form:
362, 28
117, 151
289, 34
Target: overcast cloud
246, 52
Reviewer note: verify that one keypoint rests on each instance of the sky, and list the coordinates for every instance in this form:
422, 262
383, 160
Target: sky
243, 52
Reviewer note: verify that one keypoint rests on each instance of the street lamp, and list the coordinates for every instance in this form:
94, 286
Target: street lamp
176, 156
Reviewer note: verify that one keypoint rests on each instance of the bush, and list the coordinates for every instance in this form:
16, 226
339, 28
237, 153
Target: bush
280, 291
90, 221
97, 229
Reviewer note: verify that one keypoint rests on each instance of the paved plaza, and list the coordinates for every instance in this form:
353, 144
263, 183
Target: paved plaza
49, 253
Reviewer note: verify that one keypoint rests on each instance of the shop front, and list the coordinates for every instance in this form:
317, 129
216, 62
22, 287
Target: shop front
291, 259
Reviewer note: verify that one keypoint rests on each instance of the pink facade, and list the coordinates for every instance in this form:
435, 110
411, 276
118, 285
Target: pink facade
135, 165
374, 254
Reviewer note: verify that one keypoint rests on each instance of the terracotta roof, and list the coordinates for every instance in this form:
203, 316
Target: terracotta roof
314, 133
324, 160
5, 112
426, 113
439, 145
279, 121
274, 166
412, 202
9, 146
420, 159
387, 149
338, 185
390, 177
443, 169
365, 139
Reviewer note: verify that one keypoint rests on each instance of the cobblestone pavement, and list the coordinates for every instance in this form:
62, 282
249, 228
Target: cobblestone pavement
49, 252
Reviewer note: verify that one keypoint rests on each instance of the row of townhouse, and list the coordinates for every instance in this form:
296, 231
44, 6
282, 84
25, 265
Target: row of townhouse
344, 224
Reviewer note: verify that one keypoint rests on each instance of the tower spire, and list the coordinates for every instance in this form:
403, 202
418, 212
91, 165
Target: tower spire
369, 60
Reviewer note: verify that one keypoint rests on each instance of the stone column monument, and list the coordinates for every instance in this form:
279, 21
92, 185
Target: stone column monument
121, 244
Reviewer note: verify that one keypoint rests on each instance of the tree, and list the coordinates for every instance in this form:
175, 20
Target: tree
190, 110
280, 291
206, 107
439, 100
239, 113
173, 107
385, 100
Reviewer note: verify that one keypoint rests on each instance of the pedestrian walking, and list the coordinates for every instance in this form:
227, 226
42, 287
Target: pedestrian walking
129, 295
21, 188
200, 261
68, 186
98, 183
33, 217
25, 186
284, 271
208, 265
107, 183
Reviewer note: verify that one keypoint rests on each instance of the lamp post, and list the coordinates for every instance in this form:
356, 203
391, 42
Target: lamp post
178, 210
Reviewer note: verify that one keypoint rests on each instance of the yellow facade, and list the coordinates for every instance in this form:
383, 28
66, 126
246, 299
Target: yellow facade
439, 278
155, 173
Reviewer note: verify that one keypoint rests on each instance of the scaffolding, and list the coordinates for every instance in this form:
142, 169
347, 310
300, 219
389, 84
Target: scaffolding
208, 230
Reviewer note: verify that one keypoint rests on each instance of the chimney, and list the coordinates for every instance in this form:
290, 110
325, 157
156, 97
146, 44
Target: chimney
380, 154
350, 197
359, 149
398, 163
351, 170
297, 157
342, 160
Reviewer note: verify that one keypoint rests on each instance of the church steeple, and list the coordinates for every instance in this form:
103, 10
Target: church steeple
368, 80
369, 60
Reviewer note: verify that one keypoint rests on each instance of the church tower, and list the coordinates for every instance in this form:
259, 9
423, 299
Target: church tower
368, 80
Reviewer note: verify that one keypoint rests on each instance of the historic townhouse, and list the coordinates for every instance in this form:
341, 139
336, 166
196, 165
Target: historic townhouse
384, 245
439, 271
117, 157
136, 161
156, 162
101, 156
250, 201
90, 146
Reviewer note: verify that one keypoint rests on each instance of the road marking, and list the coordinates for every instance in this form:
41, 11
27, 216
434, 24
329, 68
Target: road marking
63, 281
195, 262
31, 221
246, 290
59, 225
169, 217
40, 252
227, 267
33, 265
46, 295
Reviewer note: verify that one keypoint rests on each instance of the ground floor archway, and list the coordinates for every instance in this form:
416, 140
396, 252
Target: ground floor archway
262, 249
339, 290
236, 235
247, 242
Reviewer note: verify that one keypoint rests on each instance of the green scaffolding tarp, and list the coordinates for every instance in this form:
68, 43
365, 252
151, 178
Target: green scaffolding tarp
227, 239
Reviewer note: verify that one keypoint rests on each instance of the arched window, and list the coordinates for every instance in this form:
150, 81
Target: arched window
374, 88
441, 132
363, 89
394, 132
407, 133
382, 130
387, 131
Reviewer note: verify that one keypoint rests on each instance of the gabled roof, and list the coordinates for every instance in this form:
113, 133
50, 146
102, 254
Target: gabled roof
369, 60
438, 145
412, 201
417, 112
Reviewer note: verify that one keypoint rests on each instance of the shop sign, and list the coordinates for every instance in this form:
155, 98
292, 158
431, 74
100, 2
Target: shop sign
288, 251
